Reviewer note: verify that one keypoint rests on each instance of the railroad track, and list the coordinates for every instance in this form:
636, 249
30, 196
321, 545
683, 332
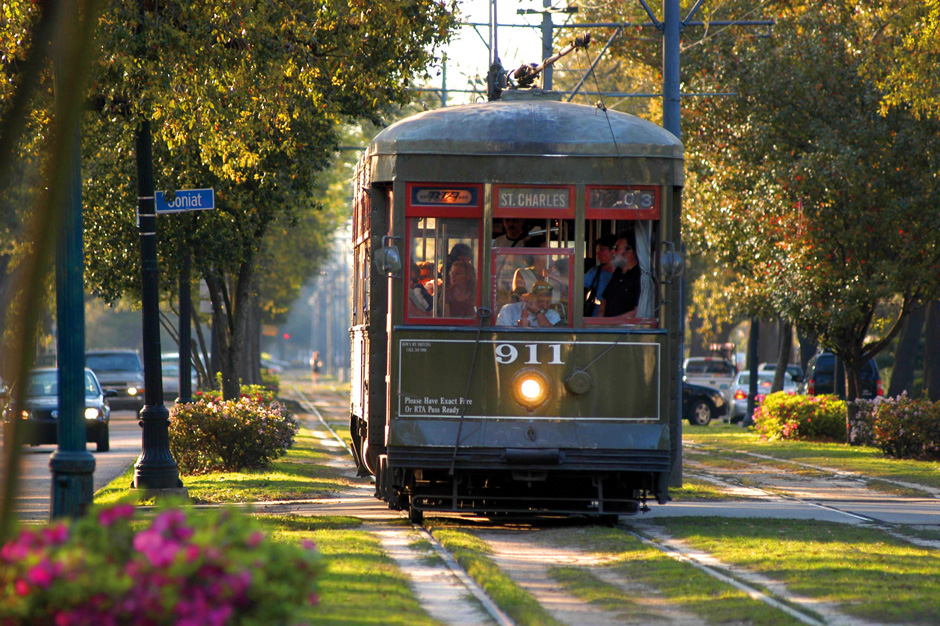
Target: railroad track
803, 610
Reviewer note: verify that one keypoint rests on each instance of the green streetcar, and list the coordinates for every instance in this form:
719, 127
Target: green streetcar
489, 375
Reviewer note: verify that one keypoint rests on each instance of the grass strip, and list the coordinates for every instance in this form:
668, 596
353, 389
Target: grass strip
472, 553
838, 456
361, 586
863, 570
582, 584
302, 473
680, 584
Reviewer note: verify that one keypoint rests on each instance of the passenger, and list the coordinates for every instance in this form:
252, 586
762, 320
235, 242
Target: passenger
426, 269
525, 277
420, 301
514, 233
532, 311
596, 278
460, 290
622, 295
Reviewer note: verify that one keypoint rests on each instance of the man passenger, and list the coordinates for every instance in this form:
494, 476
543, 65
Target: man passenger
622, 295
532, 311
597, 278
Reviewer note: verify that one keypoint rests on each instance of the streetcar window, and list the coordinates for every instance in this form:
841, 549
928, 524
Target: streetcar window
518, 270
620, 258
443, 276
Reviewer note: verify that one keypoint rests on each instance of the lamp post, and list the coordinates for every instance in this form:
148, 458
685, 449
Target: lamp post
155, 468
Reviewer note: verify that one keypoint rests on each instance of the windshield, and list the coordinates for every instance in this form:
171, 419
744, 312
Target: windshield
47, 384
113, 362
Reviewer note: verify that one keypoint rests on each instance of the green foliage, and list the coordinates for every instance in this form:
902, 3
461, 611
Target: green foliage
794, 416
901, 427
231, 435
175, 566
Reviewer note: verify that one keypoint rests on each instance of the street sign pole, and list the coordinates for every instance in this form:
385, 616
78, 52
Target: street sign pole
155, 468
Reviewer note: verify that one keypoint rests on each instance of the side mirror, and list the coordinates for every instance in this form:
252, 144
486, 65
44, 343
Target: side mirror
110, 393
387, 259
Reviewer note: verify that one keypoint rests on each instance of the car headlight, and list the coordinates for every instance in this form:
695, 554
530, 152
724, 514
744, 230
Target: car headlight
91, 413
132, 391
530, 388
25, 415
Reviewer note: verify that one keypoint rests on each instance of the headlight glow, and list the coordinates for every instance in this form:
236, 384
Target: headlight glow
25, 415
91, 413
531, 388
132, 391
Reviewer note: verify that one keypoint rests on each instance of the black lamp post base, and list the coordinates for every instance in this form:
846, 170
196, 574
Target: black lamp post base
72, 482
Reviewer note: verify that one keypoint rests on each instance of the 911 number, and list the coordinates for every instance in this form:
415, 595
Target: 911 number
507, 353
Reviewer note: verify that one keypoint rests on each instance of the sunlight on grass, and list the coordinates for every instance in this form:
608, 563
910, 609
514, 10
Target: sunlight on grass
695, 490
302, 473
867, 572
861, 459
678, 583
361, 585
470, 552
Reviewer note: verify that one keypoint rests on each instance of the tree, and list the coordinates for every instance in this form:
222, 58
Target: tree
245, 97
825, 202
817, 201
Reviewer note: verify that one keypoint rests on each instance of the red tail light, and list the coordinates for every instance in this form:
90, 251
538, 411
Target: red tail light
740, 395
811, 387
879, 390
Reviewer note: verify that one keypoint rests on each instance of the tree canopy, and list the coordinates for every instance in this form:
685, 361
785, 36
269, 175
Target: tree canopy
245, 97
816, 203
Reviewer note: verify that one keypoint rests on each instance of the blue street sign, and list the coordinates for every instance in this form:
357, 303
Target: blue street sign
186, 200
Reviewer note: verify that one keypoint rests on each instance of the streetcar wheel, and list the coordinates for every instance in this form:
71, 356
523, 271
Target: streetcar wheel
608, 519
701, 413
415, 516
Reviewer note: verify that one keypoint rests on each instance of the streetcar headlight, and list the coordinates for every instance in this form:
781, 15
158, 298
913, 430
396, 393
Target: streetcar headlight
530, 388
91, 413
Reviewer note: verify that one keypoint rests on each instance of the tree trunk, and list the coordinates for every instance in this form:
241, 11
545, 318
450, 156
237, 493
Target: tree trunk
932, 353
783, 356
808, 347
902, 378
230, 319
852, 369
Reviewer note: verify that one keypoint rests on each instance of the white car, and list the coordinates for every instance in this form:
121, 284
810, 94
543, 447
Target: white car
714, 372
737, 399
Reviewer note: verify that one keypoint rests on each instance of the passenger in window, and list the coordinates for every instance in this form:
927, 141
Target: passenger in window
557, 277
525, 277
428, 279
460, 290
597, 278
420, 301
514, 233
622, 295
534, 310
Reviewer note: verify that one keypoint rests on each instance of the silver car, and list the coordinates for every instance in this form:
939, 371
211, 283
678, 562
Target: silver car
737, 394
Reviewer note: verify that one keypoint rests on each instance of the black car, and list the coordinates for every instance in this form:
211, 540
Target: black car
41, 410
825, 374
121, 370
701, 404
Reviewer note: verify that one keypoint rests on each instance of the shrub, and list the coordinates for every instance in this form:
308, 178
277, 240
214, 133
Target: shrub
176, 566
789, 416
902, 427
233, 435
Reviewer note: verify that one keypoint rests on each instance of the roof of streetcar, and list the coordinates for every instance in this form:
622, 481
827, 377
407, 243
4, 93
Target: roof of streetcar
527, 128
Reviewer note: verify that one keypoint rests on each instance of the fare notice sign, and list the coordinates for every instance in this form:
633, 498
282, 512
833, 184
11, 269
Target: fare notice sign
185, 200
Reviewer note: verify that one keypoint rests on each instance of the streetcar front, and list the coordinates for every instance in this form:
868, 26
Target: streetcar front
528, 330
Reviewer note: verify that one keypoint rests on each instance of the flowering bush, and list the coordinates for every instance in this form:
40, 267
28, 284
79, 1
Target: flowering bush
247, 433
789, 416
902, 427
175, 567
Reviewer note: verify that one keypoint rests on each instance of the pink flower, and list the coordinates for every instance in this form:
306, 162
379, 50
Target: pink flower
254, 539
121, 511
21, 587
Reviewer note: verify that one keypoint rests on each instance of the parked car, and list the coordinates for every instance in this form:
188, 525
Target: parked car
41, 409
701, 404
121, 370
170, 365
821, 377
742, 386
794, 370
715, 372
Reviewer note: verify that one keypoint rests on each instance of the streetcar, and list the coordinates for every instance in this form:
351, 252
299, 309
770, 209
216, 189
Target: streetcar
488, 375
